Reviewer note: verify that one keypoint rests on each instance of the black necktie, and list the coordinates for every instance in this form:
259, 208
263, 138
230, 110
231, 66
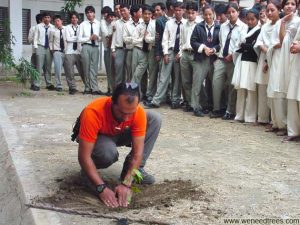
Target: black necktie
92, 32
226, 46
61, 41
176, 46
75, 34
46, 37
145, 44
209, 36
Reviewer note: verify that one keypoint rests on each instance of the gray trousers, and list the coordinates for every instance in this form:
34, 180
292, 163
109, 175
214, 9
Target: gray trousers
164, 80
139, 64
119, 66
153, 74
90, 61
105, 152
223, 72
72, 60
43, 64
128, 61
58, 59
108, 68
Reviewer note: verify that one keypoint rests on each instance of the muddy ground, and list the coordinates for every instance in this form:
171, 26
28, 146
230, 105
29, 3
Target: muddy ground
207, 170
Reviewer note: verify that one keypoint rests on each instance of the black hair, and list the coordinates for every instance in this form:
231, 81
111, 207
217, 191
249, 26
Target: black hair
124, 5
134, 9
170, 3
161, 5
89, 9
57, 17
208, 7
46, 14
243, 13
220, 9
73, 13
232, 5
106, 9
125, 89
38, 18
178, 5
256, 6
276, 3
191, 5
147, 8
283, 3
254, 11
112, 14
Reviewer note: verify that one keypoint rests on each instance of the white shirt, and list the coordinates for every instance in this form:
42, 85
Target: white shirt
169, 36
117, 39
138, 35
72, 38
54, 39
237, 35
31, 36
212, 28
106, 31
185, 35
128, 31
85, 32
40, 34
150, 36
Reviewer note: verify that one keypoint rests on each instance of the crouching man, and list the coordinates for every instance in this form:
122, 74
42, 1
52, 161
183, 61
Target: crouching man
114, 121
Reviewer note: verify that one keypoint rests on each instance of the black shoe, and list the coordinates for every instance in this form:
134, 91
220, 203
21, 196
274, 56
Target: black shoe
59, 89
34, 88
198, 113
108, 93
51, 87
216, 114
150, 105
175, 105
87, 92
188, 108
168, 100
73, 91
97, 93
206, 111
228, 116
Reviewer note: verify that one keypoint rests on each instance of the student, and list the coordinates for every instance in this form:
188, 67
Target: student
39, 19
244, 72
117, 45
57, 43
171, 61
117, 10
106, 32
72, 53
89, 37
43, 55
262, 73
279, 56
230, 38
136, 13
263, 16
221, 17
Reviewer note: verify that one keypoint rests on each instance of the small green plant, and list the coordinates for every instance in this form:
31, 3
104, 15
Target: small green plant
137, 177
25, 71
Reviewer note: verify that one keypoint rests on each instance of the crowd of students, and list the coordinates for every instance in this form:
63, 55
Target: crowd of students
222, 61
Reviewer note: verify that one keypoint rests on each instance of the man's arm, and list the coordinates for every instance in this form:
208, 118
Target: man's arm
85, 150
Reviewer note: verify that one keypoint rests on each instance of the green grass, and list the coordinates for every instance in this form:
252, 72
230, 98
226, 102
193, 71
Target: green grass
9, 78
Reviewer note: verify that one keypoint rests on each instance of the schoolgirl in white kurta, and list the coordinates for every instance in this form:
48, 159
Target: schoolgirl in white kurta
244, 72
293, 91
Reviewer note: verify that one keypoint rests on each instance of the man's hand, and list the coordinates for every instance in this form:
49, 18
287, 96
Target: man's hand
208, 51
295, 48
108, 198
166, 59
265, 68
228, 58
157, 58
123, 194
93, 37
113, 54
177, 58
263, 48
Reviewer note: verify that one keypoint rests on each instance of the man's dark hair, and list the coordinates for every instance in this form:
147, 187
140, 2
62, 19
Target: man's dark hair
134, 9
232, 5
161, 5
106, 9
38, 18
191, 5
178, 5
208, 7
45, 14
89, 9
220, 9
57, 17
124, 5
73, 13
132, 90
147, 8
170, 3
112, 14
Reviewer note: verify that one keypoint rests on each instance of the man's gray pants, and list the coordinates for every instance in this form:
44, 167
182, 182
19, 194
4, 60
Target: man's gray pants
153, 74
58, 59
139, 65
105, 152
108, 68
43, 64
90, 61
72, 60
128, 60
119, 66
223, 72
164, 80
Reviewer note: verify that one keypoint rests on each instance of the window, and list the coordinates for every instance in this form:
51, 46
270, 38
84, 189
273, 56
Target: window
26, 24
64, 16
4, 25
130, 2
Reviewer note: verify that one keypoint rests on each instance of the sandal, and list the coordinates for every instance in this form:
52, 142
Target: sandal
281, 132
272, 129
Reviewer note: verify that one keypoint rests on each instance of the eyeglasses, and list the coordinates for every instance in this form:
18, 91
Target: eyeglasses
132, 86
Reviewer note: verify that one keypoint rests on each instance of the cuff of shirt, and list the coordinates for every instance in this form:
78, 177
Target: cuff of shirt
200, 49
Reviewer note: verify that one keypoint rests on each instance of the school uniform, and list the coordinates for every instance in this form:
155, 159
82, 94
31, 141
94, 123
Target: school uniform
43, 55
72, 56
90, 53
202, 36
230, 38
58, 43
244, 78
262, 78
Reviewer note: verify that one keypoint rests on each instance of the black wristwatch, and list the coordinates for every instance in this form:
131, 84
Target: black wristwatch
100, 188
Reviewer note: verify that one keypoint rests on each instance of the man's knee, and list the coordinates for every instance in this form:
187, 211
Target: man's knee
153, 120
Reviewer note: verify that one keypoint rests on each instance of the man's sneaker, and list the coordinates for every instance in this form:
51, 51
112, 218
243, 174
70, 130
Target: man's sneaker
50, 87
147, 178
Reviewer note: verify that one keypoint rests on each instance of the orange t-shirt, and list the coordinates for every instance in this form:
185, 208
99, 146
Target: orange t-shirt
97, 118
